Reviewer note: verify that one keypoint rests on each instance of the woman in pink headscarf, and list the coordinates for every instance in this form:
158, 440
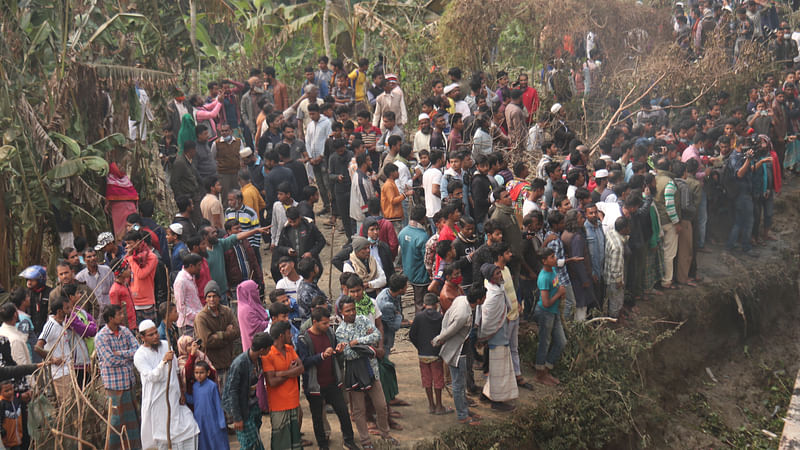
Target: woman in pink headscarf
253, 317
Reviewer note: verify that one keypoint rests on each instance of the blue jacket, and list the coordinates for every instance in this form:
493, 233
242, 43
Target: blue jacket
596, 241
412, 241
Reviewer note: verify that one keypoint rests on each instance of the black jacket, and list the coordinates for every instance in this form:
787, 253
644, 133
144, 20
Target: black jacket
479, 192
337, 165
305, 350
306, 237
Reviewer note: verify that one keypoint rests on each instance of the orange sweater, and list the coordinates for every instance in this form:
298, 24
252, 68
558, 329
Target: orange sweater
143, 277
391, 200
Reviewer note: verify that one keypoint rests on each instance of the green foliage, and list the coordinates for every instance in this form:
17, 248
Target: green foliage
598, 401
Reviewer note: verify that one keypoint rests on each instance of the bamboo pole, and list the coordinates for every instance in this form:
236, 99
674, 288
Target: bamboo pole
330, 260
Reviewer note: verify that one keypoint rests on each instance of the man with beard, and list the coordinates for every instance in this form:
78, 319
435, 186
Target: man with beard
422, 138
157, 365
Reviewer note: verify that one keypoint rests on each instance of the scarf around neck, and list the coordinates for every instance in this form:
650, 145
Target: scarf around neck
366, 274
364, 305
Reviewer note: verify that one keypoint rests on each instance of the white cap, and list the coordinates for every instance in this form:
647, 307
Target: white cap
103, 239
423, 116
245, 152
727, 8
601, 173
606, 158
449, 88
146, 325
176, 228
555, 108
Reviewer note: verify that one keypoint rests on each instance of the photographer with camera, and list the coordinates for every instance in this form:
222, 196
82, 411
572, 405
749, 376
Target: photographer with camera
739, 174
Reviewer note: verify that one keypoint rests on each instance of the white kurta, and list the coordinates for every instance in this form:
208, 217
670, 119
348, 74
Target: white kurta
154, 371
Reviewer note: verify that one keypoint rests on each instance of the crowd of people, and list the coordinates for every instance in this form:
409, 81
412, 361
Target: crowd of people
191, 343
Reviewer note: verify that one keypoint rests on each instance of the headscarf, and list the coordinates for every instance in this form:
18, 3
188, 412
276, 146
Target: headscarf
187, 131
184, 344
777, 179
253, 317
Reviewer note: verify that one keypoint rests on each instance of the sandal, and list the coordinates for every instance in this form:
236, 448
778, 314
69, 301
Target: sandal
470, 421
399, 402
524, 384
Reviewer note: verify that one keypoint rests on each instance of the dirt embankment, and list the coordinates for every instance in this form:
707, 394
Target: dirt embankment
703, 367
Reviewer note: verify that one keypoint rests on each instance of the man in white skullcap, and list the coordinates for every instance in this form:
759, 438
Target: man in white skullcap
422, 138
158, 368
179, 250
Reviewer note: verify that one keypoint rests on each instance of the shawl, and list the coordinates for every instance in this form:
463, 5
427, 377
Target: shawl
119, 186
361, 269
253, 317
187, 131
777, 180
183, 351
364, 305
493, 310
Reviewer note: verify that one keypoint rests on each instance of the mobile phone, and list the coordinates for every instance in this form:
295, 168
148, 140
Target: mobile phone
199, 342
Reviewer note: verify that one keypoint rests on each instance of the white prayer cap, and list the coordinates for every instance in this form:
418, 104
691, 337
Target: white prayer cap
601, 173
449, 88
146, 325
245, 152
176, 228
423, 116
555, 108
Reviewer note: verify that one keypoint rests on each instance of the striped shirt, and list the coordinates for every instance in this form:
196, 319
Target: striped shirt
561, 267
614, 271
115, 355
669, 201
248, 219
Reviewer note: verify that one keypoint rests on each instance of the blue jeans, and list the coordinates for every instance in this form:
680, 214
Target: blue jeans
742, 222
551, 338
459, 376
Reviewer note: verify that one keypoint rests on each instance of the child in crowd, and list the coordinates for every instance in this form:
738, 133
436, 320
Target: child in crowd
551, 333
208, 412
12, 416
426, 326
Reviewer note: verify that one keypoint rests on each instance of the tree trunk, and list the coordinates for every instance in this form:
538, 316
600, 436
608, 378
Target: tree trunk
193, 39
326, 38
5, 248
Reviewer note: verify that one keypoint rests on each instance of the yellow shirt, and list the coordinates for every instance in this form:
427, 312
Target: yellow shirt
360, 84
252, 198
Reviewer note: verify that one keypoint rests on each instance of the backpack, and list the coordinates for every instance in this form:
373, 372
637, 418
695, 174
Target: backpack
688, 208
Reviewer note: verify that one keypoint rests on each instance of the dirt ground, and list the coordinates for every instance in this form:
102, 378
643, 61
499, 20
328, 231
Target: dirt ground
743, 377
